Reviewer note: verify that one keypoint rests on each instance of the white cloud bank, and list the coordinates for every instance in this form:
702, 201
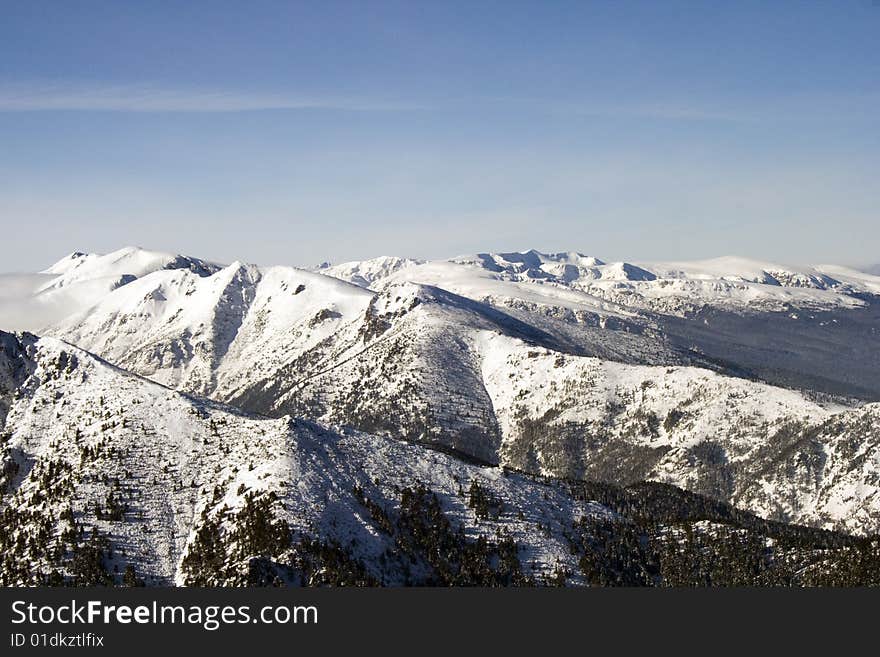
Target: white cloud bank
20, 310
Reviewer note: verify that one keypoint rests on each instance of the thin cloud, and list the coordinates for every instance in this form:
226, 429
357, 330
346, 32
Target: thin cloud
148, 98
788, 108
100, 97
633, 110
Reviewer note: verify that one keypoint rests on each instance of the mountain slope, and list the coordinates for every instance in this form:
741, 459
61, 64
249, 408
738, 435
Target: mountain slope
803, 327
765, 449
486, 379
214, 333
518, 360
147, 468
110, 478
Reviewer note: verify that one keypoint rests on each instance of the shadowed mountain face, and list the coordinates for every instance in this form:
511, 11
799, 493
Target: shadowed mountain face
15, 368
742, 382
835, 352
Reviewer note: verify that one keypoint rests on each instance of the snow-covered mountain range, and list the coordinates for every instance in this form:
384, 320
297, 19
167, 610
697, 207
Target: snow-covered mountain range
195, 394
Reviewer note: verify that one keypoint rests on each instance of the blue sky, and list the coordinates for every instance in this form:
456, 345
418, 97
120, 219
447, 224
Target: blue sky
280, 132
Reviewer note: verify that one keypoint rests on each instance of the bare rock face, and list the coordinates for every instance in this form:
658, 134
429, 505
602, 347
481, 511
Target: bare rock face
16, 365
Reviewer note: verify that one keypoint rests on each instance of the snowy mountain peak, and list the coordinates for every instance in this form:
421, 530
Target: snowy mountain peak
735, 268
564, 268
131, 262
535, 258
365, 273
68, 262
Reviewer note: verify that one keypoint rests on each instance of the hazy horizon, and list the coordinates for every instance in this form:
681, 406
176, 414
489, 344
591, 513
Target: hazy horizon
286, 133
8, 283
